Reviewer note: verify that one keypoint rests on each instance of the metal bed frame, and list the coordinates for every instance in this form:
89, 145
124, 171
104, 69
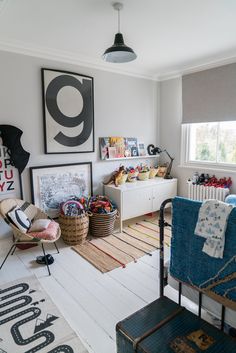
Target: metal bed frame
163, 281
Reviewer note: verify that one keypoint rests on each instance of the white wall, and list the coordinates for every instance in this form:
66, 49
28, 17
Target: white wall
123, 106
170, 133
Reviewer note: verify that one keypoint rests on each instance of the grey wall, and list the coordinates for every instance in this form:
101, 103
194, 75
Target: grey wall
170, 133
123, 105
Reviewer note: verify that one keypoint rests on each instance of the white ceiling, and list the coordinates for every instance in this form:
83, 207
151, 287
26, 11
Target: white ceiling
169, 36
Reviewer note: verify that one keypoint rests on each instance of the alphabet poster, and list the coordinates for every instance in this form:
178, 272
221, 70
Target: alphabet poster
10, 186
68, 112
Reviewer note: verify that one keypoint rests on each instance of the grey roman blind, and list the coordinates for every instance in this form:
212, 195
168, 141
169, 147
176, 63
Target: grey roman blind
209, 95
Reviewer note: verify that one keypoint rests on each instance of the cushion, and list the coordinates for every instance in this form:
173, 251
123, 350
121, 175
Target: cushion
48, 234
39, 224
20, 219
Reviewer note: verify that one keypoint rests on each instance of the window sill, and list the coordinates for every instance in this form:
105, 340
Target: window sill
206, 167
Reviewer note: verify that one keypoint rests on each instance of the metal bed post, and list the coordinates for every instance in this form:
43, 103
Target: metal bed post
199, 304
162, 225
180, 293
222, 318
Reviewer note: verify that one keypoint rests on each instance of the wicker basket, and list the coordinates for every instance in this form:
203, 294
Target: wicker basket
102, 225
143, 176
153, 173
74, 230
132, 177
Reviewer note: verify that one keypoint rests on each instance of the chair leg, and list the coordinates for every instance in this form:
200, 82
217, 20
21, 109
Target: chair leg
13, 250
7, 256
56, 247
46, 260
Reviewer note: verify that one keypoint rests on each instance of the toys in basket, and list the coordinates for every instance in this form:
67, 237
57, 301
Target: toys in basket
132, 174
144, 172
74, 206
101, 204
74, 220
104, 213
153, 172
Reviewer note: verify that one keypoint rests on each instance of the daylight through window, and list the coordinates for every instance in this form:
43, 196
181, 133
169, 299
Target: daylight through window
212, 142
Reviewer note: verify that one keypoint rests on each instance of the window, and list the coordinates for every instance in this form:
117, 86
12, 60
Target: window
211, 143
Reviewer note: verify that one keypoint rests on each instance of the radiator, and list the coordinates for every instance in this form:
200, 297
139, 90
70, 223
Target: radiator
201, 192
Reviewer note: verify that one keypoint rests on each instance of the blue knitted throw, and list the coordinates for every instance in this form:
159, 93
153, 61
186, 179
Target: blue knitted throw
216, 277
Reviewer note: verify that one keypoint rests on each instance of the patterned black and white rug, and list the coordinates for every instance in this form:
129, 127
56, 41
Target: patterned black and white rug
30, 322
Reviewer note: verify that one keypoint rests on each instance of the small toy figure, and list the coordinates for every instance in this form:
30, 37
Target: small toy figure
195, 178
201, 179
116, 176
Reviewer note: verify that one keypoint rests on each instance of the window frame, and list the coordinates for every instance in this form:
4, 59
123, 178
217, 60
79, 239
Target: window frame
185, 154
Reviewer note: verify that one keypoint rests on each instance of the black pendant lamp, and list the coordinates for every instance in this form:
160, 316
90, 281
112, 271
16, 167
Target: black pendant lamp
119, 52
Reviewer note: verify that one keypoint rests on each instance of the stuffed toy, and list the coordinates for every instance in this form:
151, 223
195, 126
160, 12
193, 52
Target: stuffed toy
116, 176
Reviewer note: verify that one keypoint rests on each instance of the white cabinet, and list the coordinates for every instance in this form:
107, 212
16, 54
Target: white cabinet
141, 197
136, 202
163, 192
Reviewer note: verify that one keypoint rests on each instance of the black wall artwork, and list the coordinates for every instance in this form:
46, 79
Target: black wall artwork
13, 160
68, 112
11, 136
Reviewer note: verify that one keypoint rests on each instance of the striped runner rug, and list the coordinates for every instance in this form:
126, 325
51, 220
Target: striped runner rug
136, 240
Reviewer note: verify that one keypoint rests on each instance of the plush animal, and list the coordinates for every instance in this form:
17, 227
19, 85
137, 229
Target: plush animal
116, 176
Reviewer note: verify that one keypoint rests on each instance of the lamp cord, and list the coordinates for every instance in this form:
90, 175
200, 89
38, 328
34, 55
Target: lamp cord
118, 20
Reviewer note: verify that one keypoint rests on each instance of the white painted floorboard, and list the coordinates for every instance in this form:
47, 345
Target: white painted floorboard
90, 301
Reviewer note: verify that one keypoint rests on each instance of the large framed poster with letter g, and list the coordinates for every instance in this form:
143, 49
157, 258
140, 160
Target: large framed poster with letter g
68, 107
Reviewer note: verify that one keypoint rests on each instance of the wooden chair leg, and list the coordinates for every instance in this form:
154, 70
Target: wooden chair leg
46, 260
7, 256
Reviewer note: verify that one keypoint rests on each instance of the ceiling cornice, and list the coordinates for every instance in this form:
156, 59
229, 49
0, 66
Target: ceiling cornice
67, 57
195, 68
80, 60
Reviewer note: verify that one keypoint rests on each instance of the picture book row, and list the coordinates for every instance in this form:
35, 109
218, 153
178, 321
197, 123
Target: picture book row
121, 147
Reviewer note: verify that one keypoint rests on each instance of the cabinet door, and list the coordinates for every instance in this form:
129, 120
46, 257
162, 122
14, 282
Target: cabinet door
137, 202
163, 192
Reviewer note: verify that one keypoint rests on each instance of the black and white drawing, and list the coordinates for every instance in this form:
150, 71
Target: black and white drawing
68, 112
52, 185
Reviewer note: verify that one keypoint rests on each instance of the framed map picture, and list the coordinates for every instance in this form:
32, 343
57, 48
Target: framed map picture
52, 185
68, 112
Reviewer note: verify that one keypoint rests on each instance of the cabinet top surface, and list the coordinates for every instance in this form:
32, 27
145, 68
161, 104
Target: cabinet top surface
141, 184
